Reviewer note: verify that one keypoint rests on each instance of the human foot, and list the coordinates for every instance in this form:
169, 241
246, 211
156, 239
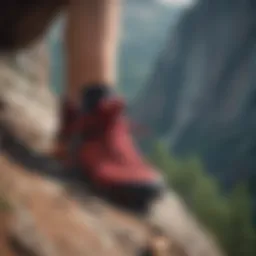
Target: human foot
103, 149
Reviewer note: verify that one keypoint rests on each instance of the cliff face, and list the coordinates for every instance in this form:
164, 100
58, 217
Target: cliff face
201, 97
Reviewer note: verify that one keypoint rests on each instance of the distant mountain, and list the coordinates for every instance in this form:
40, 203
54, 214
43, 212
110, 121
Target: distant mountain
146, 25
201, 95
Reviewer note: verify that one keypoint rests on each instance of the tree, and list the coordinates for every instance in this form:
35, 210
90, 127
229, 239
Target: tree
242, 235
228, 217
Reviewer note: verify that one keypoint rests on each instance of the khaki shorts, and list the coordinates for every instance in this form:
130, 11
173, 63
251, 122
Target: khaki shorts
21, 23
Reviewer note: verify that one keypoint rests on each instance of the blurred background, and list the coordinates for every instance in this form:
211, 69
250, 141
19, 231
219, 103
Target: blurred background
187, 69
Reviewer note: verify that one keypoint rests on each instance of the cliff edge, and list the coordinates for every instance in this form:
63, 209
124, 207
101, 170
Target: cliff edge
49, 216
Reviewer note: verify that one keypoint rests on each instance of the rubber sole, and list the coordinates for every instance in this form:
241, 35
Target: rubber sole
135, 198
132, 197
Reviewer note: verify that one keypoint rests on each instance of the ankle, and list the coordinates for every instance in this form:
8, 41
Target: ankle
76, 94
93, 93
88, 97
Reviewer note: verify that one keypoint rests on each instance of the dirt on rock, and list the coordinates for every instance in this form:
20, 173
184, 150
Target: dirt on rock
46, 221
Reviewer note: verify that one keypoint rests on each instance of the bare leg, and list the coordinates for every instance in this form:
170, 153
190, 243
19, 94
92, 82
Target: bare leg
91, 44
106, 153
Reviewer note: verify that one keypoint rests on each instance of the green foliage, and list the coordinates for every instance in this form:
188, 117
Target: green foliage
228, 217
243, 237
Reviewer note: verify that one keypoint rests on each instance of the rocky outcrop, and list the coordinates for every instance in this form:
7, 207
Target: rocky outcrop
48, 221
55, 217
28, 102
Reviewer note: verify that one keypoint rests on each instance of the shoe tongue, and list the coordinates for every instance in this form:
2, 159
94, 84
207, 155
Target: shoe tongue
93, 95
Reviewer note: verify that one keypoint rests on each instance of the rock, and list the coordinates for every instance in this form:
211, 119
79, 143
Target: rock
24, 84
50, 220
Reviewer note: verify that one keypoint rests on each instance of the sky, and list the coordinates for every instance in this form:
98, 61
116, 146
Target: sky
177, 2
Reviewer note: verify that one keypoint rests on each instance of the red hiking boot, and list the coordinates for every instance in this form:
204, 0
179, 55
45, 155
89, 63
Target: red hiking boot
102, 148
